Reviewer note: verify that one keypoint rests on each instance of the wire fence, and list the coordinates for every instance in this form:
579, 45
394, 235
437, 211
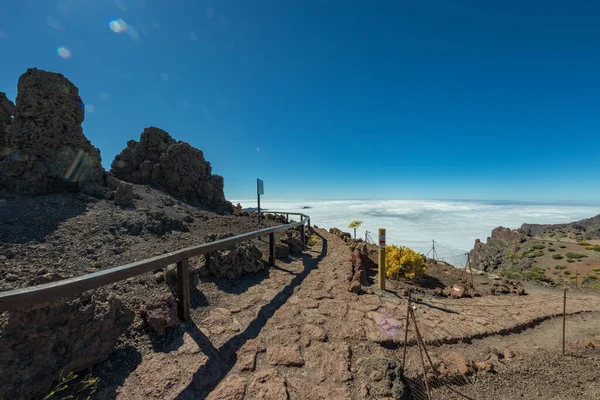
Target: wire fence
436, 366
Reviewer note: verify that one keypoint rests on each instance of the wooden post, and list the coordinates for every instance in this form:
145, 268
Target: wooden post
287, 218
272, 249
183, 289
381, 271
308, 222
564, 319
302, 236
406, 331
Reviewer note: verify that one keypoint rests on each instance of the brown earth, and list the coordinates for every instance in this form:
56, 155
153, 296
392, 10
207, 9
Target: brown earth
297, 332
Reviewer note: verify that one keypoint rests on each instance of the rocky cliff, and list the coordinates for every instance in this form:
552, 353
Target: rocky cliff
48, 151
179, 168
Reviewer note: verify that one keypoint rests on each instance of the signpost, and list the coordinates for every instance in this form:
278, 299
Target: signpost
355, 224
381, 271
260, 189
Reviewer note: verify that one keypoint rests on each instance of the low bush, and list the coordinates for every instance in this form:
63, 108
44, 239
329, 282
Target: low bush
534, 253
575, 256
596, 247
562, 246
557, 256
570, 260
404, 262
560, 267
538, 246
583, 243
567, 272
312, 240
552, 249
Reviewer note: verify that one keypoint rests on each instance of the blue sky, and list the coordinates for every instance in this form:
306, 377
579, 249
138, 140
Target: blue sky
337, 99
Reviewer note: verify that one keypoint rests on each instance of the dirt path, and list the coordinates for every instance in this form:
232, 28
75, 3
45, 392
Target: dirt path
296, 332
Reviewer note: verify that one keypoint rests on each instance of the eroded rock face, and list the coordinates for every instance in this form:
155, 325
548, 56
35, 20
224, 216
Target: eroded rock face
7, 110
49, 152
38, 344
494, 253
245, 258
176, 166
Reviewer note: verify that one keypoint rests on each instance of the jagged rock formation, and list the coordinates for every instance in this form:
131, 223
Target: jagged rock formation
7, 110
38, 344
176, 166
48, 150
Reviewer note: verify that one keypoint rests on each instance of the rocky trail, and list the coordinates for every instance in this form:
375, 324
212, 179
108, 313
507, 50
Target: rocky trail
295, 331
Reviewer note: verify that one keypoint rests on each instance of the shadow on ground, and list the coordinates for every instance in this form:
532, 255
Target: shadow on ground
221, 361
46, 213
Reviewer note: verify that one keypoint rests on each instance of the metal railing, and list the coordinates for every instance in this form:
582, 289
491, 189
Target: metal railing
29, 296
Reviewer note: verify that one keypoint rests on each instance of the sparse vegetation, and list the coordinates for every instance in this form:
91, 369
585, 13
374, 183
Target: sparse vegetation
560, 267
511, 255
312, 240
534, 253
567, 272
536, 273
555, 272
595, 285
596, 247
405, 262
570, 260
69, 387
538, 246
551, 235
551, 249
596, 269
557, 256
583, 243
575, 256
588, 247
562, 246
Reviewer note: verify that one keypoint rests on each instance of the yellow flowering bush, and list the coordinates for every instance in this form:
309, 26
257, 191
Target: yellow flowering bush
404, 262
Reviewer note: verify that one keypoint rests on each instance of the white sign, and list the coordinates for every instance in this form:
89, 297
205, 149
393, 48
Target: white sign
382, 242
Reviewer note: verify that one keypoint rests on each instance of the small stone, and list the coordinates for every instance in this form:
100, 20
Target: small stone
484, 366
159, 277
11, 277
118, 250
3, 258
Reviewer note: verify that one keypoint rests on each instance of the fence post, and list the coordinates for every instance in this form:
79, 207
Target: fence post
564, 320
183, 289
381, 259
272, 249
303, 236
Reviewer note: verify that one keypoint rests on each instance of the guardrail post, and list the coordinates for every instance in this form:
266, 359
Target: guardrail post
381, 260
287, 218
303, 236
183, 289
271, 249
308, 224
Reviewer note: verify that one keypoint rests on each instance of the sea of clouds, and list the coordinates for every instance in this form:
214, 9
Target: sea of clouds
454, 225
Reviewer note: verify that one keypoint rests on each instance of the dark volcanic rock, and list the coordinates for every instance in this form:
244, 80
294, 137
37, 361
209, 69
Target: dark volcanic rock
175, 166
585, 229
49, 152
494, 253
7, 110
161, 314
38, 345
244, 258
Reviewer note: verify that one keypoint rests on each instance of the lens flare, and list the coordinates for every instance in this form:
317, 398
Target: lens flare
388, 325
117, 25
53, 23
90, 108
63, 52
258, 149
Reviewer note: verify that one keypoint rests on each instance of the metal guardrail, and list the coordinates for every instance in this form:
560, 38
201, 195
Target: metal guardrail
29, 296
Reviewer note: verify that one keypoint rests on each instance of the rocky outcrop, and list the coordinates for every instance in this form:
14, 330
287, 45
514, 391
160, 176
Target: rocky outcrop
585, 229
38, 345
48, 150
494, 252
7, 110
176, 166
380, 378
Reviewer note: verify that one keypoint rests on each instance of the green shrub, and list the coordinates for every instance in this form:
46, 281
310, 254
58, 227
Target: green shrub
567, 272
570, 260
555, 272
70, 387
596, 247
575, 256
583, 243
557, 256
312, 240
508, 273
536, 273
562, 246
511, 256
588, 247
535, 253
538, 246
592, 277
552, 249
596, 269
560, 267
551, 235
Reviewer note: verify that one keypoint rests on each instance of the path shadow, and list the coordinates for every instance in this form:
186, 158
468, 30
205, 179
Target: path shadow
241, 284
114, 371
221, 361
18, 214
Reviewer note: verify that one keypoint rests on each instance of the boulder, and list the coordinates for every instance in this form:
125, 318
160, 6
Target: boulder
380, 377
48, 151
64, 336
124, 195
294, 241
177, 167
160, 313
244, 258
